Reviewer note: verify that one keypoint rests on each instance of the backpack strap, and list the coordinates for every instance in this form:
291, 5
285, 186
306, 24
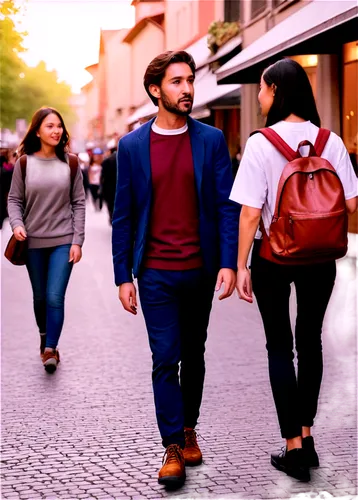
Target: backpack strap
23, 164
73, 164
278, 142
321, 140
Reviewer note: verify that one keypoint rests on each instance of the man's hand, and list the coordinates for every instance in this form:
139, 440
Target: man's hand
228, 277
243, 285
128, 297
20, 233
75, 254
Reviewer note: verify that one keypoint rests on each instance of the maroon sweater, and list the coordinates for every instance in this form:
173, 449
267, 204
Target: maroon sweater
173, 239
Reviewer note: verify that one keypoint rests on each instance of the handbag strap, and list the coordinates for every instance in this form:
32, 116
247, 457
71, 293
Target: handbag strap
73, 164
23, 164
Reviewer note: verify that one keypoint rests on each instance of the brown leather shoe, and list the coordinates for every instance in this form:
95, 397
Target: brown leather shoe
191, 452
50, 360
172, 474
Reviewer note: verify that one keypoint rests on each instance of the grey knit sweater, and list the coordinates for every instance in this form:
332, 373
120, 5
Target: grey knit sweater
44, 205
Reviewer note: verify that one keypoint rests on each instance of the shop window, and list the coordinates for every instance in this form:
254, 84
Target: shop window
350, 101
257, 7
232, 10
350, 113
228, 120
309, 63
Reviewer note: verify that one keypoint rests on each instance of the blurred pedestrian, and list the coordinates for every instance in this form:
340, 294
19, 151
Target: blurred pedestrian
6, 171
176, 230
94, 177
83, 159
47, 208
287, 101
108, 179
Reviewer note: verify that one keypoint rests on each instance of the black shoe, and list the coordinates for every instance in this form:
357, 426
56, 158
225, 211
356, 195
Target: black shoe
310, 452
292, 463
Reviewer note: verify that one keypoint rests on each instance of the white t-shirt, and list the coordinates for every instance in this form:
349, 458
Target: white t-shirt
165, 131
261, 166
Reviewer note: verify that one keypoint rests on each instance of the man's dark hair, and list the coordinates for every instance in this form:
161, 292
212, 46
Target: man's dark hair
157, 68
293, 94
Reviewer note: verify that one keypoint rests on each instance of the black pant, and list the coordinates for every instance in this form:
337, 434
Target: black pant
96, 196
295, 398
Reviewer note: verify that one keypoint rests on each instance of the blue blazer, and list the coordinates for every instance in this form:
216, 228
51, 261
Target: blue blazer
218, 216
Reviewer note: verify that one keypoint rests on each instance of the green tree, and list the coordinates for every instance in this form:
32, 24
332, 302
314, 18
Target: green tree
42, 88
11, 65
24, 89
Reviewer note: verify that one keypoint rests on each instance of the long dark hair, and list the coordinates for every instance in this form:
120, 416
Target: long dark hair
155, 72
293, 94
31, 142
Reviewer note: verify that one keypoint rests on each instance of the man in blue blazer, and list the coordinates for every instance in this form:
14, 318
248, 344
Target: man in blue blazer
175, 230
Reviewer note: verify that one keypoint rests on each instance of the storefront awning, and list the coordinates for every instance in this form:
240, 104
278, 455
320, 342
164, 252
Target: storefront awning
228, 47
316, 18
146, 111
207, 91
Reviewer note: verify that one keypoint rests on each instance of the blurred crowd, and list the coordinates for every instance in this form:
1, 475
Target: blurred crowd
99, 175
7, 163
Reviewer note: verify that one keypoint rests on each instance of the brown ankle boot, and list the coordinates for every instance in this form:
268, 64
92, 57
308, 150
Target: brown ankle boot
172, 473
192, 453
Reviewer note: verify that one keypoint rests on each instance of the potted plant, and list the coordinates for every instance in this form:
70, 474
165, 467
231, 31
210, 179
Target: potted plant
220, 32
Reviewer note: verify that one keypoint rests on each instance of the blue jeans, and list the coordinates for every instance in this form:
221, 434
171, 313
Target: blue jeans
49, 272
176, 307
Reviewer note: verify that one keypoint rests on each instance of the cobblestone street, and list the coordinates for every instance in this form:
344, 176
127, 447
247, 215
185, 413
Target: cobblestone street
89, 430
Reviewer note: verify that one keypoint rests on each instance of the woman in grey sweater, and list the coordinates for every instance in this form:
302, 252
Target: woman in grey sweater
46, 206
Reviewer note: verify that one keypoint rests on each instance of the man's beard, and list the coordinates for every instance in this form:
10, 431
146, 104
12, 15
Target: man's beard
174, 108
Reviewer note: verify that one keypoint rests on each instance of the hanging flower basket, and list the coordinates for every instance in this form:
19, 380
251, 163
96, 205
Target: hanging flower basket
221, 32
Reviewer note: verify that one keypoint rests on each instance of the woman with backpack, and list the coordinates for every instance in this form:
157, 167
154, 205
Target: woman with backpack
301, 205
46, 207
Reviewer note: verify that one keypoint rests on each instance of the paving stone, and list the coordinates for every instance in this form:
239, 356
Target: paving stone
89, 430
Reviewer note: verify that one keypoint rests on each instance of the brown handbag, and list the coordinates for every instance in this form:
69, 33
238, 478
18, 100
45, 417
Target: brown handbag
16, 251
310, 222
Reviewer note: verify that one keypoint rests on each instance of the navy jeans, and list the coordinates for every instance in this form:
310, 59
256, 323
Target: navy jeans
176, 307
49, 272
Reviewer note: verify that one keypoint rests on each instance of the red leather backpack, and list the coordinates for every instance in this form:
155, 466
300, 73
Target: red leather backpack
310, 222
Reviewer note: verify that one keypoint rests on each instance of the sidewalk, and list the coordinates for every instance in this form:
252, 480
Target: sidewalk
89, 430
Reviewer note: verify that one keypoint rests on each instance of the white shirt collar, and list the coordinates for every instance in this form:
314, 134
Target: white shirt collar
164, 131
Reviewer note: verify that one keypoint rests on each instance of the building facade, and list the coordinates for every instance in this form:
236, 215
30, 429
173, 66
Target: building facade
91, 97
145, 40
321, 35
186, 28
78, 131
